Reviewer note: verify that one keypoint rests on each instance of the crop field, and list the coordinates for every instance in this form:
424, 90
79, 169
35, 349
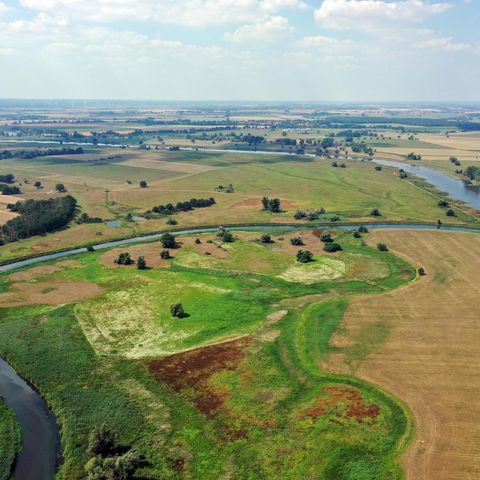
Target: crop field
235, 388
421, 342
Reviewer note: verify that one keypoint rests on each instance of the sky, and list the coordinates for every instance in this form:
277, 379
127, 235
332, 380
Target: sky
270, 50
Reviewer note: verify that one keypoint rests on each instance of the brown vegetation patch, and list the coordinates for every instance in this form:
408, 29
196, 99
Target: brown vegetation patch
193, 370
151, 252
310, 239
214, 249
48, 293
42, 270
345, 402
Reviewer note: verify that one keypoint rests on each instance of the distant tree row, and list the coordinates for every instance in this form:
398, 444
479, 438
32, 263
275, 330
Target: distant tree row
9, 189
38, 217
9, 178
170, 209
29, 154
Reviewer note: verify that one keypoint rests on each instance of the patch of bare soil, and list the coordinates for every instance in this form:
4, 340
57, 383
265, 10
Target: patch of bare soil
48, 293
42, 270
193, 370
431, 357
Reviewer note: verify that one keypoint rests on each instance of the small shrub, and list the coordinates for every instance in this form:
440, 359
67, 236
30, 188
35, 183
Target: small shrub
356, 234
326, 237
332, 247
304, 256
266, 238
165, 255
382, 247
198, 241
450, 213
124, 259
143, 184
90, 248
297, 241
421, 271
363, 229
141, 263
177, 310
172, 221
375, 212
443, 204
168, 240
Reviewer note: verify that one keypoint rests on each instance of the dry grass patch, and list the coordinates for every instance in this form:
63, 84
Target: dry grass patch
48, 293
151, 252
421, 343
42, 270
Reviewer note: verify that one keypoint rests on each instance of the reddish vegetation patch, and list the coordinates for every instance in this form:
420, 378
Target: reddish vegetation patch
343, 402
151, 252
194, 369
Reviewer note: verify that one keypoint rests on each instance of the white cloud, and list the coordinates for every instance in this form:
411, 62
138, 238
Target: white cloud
444, 44
322, 41
367, 15
42, 23
182, 12
268, 31
3, 8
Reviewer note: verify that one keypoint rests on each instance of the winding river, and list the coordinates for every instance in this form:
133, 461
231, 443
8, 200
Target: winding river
41, 448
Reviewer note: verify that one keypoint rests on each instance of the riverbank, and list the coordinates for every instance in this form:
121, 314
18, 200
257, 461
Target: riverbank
10, 440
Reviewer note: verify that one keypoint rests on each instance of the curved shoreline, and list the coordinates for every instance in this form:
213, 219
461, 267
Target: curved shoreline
40, 455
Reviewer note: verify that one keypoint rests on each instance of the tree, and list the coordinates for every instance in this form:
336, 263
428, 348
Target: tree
90, 248
356, 234
37, 184
266, 238
124, 259
60, 187
304, 256
274, 205
265, 203
101, 441
375, 212
141, 263
332, 247
450, 213
228, 237
165, 255
177, 310
443, 204
382, 247
168, 240
143, 184
198, 241
363, 229
297, 241
421, 271
378, 168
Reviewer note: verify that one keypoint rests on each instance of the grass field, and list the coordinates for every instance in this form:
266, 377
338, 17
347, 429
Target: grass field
421, 343
102, 190
9, 440
253, 402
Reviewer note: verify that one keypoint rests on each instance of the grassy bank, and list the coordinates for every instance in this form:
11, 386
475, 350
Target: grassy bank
10, 440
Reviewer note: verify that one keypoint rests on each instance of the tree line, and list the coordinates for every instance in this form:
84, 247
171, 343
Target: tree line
169, 208
38, 217
29, 154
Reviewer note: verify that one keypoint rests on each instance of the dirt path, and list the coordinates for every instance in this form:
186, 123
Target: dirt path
430, 357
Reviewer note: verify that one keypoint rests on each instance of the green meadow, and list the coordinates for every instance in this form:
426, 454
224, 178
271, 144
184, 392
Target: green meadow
254, 402
9, 440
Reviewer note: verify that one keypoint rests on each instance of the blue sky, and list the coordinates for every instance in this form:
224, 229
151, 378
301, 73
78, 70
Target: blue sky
297, 50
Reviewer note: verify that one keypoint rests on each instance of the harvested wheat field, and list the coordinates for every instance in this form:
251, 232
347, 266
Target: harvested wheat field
421, 343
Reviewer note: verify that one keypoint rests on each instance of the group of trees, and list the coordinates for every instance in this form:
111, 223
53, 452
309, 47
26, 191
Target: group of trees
109, 460
472, 173
9, 189
304, 256
310, 214
8, 178
413, 156
170, 209
34, 153
271, 204
38, 217
124, 258
228, 189
86, 218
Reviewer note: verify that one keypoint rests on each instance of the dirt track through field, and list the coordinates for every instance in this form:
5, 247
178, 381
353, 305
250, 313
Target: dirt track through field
430, 357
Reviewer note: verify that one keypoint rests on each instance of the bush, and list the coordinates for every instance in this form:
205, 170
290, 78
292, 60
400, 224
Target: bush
450, 213
443, 204
266, 238
382, 247
124, 259
363, 229
332, 247
141, 263
60, 187
90, 248
356, 234
375, 212
168, 240
198, 241
304, 256
143, 184
326, 237
102, 441
228, 237
172, 221
165, 255
296, 241
378, 168
421, 271
177, 310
